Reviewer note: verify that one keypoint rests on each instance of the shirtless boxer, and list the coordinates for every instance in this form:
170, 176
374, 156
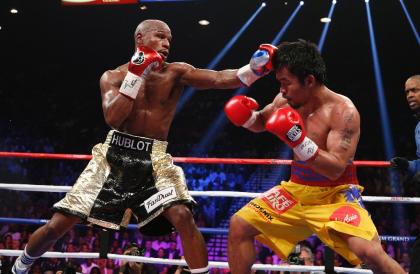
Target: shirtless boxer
323, 195
131, 173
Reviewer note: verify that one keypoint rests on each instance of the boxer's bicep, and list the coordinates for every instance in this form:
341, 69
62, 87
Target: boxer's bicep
344, 135
341, 142
108, 89
116, 107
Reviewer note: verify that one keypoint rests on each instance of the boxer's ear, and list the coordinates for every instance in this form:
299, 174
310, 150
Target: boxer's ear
138, 38
310, 81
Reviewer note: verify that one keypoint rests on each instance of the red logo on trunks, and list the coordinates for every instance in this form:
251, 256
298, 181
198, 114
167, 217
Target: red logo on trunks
279, 200
346, 214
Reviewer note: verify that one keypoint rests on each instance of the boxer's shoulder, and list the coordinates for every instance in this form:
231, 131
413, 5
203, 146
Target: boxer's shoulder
344, 111
179, 67
340, 99
345, 105
338, 103
114, 75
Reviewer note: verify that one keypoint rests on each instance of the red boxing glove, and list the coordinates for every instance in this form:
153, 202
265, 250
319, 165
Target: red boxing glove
259, 65
262, 60
287, 124
143, 61
240, 110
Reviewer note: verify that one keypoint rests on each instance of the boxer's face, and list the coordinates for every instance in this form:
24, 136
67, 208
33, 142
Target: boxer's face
158, 38
412, 93
291, 88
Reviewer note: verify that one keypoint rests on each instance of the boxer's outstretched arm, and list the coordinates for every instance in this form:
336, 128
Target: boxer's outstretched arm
207, 79
341, 143
116, 106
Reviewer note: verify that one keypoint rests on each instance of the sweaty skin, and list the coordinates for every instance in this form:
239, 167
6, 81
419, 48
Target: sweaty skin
331, 121
151, 113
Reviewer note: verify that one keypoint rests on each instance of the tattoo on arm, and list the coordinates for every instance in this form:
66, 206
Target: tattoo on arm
347, 133
346, 136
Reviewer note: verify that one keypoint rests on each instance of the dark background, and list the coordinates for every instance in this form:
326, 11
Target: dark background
52, 58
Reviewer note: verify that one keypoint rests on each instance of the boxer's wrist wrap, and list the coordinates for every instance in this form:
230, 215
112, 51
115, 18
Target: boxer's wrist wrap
307, 150
247, 76
131, 85
251, 120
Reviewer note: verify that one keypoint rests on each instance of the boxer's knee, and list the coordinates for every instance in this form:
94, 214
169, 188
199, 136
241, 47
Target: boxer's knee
59, 225
371, 253
240, 230
180, 216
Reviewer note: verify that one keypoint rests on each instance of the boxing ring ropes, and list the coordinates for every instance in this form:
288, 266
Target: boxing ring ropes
190, 160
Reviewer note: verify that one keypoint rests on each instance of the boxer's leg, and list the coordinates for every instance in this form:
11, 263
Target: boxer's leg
42, 239
195, 251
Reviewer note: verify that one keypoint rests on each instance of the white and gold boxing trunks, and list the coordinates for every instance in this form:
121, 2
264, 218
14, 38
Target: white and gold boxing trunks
128, 175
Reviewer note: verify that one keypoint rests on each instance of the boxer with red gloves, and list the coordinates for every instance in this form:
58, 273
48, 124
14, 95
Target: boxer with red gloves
131, 167
241, 110
143, 61
322, 195
259, 65
287, 124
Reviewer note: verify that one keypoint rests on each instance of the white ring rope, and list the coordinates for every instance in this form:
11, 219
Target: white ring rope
89, 255
50, 188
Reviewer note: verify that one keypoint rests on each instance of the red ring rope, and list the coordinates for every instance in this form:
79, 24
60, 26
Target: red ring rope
192, 160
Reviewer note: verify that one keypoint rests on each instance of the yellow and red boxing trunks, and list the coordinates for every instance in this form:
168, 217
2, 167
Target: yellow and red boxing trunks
310, 203
128, 175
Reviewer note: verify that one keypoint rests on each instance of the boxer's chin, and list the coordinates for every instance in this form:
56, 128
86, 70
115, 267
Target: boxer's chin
293, 105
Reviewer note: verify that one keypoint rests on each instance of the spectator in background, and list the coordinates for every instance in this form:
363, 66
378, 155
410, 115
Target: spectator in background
128, 267
319, 256
161, 268
160, 243
148, 250
87, 266
412, 94
302, 255
173, 252
95, 270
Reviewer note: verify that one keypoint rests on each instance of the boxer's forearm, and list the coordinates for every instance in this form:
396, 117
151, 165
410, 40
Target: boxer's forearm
328, 165
117, 110
211, 79
259, 124
227, 79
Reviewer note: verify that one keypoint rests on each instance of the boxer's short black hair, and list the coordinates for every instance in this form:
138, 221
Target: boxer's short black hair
301, 58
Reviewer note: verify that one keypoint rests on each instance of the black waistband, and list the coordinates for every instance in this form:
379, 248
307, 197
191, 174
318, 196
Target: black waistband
131, 142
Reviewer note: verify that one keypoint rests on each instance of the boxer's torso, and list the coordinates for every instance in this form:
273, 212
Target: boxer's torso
155, 105
318, 121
